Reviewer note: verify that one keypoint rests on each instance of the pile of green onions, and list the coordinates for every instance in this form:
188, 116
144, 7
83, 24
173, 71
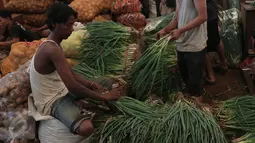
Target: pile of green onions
247, 138
238, 113
155, 71
181, 123
105, 47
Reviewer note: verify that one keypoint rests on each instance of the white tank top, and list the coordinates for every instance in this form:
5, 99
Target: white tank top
46, 89
195, 39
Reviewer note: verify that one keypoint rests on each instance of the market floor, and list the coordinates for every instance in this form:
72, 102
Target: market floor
228, 86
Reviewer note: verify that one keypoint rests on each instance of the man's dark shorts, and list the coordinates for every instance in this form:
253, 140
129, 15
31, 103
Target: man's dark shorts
67, 111
191, 66
213, 36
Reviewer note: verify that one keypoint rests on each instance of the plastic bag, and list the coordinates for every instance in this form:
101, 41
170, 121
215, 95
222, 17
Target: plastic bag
27, 6
231, 36
156, 24
126, 6
71, 45
17, 125
136, 20
15, 88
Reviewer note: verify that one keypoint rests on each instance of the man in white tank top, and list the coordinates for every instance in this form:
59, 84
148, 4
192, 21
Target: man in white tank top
189, 29
55, 86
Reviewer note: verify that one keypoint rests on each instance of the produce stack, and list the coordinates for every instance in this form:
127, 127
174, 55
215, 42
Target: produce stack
141, 122
20, 53
128, 13
32, 11
14, 91
89, 10
105, 50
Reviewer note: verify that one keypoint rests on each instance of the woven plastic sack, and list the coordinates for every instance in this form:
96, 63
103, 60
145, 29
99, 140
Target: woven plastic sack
89, 9
27, 6
71, 45
231, 36
126, 6
136, 20
20, 53
34, 19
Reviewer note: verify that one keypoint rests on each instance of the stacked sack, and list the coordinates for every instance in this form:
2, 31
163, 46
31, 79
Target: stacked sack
14, 120
128, 12
33, 12
88, 10
20, 53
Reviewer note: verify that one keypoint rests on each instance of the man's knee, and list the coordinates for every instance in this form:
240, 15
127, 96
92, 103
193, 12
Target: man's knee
86, 128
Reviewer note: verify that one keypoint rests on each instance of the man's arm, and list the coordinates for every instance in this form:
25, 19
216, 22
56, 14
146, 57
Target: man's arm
9, 43
173, 24
200, 19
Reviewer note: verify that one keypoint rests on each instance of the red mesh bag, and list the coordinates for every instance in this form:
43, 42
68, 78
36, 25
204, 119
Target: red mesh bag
136, 20
126, 6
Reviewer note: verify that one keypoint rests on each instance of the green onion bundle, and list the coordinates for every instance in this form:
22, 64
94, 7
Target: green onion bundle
105, 47
185, 123
238, 113
138, 109
87, 71
155, 71
248, 138
181, 123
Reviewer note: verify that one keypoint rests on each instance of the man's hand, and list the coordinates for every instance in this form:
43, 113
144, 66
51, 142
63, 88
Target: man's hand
176, 34
113, 95
98, 88
161, 33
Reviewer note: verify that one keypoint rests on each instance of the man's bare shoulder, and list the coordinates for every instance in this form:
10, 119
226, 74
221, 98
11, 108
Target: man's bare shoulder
49, 48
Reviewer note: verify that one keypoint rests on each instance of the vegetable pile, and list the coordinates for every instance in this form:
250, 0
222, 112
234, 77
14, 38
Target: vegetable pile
143, 123
155, 71
89, 9
238, 114
105, 47
27, 6
20, 53
15, 88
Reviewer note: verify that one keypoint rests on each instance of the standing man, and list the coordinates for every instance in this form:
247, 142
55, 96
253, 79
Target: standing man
189, 29
213, 43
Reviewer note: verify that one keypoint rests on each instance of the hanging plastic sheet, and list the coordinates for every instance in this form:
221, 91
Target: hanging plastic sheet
230, 34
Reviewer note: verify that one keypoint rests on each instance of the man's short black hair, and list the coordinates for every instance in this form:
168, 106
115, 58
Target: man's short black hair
5, 14
59, 13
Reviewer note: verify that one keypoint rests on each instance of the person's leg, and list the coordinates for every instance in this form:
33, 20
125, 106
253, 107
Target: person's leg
182, 66
195, 63
70, 114
221, 53
209, 77
212, 43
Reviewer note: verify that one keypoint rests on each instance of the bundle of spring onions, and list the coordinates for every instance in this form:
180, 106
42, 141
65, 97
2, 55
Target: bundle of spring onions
238, 113
87, 71
247, 138
181, 123
185, 123
155, 71
105, 47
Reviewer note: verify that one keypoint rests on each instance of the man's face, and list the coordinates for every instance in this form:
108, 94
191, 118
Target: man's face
66, 29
